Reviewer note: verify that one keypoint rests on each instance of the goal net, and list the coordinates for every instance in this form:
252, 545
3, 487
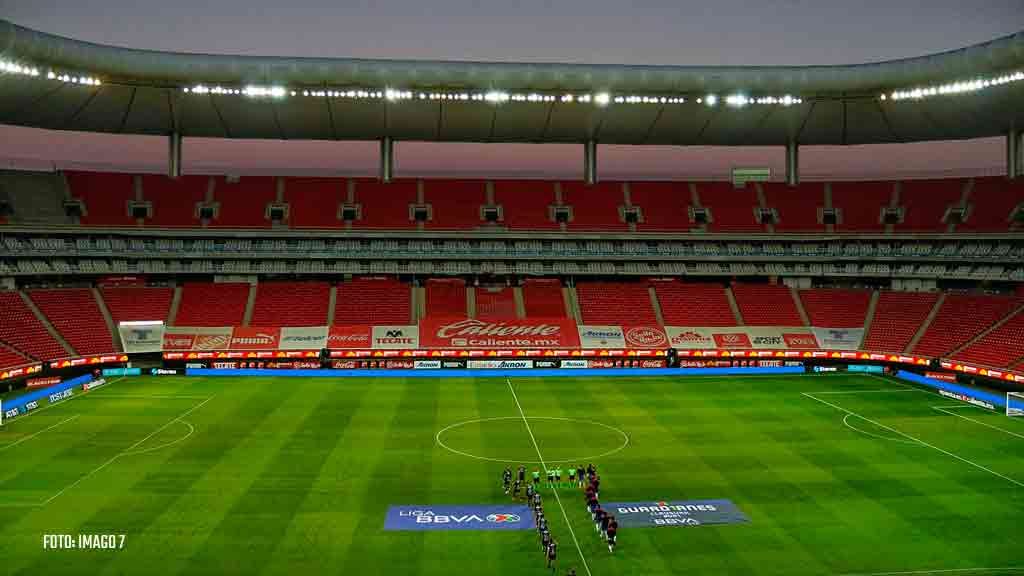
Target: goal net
1015, 403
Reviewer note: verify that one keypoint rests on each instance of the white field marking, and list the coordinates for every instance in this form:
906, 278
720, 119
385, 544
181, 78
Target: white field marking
437, 437
940, 409
541, 458
909, 437
945, 571
64, 401
890, 390
31, 436
879, 436
124, 452
191, 429
144, 396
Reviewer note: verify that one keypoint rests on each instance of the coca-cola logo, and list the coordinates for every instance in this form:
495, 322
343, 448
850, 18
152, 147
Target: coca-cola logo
348, 338
645, 336
473, 327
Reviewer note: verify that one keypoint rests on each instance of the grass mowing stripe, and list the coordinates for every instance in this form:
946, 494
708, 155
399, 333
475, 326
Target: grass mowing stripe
905, 435
943, 410
34, 434
544, 466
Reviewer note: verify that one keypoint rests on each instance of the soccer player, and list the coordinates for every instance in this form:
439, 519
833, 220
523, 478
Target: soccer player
596, 483
552, 554
558, 474
613, 529
605, 520
599, 519
543, 526
545, 539
506, 477
572, 475
579, 475
536, 477
515, 489
522, 473
529, 493
551, 476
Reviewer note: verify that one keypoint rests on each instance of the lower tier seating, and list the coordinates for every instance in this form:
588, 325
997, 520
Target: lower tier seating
766, 305
684, 304
20, 329
615, 303
212, 304
962, 317
291, 304
836, 308
76, 315
372, 301
898, 316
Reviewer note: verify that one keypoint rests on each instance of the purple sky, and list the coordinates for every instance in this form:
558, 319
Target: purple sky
712, 32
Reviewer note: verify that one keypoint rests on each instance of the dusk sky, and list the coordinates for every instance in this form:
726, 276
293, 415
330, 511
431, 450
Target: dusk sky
727, 32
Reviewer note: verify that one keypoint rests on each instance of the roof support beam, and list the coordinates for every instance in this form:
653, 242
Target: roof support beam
387, 159
1013, 153
174, 142
792, 163
590, 162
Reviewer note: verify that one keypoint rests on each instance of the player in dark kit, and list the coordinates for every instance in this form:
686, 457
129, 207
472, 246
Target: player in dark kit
599, 516
552, 554
522, 473
506, 477
580, 475
515, 489
545, 539
613, 530
604, 524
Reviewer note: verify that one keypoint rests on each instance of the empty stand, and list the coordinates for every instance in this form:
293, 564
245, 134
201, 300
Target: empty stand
732, 209
243, 204
766, 305
836, 307
861, 203
372, 301
314, 202
10, 357
992, 201
495, 303
446, 297
615, 303
594, 207
105, 196
20, 328
291, 304
385, 205
76, 315
174, 201
925, 203
1001, 347
698, 304
455, 203
212, 304
898, 316
133, 303
962, 317
542, 298
665, 206
525, 203
797, 207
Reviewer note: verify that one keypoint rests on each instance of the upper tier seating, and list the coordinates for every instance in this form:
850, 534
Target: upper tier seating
766, 305
291, 304
732, 209
20, 328
314, 202
836, 308
10, 358
212, 304
615, 303
685, 304
385, 205
594, 207
76, 315
542, 298
372, 301
446, 297
243, 204
860, 204
105, 196
174, 201
495, 303
524, 204
992, 201
455, 204
665, 206
962, 317
1001, 347
925, 203
797, 207
133, 303
898, 316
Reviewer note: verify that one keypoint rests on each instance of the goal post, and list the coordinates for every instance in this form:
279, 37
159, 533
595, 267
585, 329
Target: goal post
1015, 403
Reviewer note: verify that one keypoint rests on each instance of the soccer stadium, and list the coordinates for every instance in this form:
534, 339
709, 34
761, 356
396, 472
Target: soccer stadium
750, 373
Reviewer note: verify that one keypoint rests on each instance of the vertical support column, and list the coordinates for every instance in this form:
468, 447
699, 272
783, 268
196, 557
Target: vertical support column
387, 159
792, 163
590, 162
174, 155
1013, 159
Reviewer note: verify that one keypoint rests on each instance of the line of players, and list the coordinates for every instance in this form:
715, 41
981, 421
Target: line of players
548, 544
604, 523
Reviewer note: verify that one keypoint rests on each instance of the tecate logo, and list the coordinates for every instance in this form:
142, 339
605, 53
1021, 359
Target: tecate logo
471, 327
645, 337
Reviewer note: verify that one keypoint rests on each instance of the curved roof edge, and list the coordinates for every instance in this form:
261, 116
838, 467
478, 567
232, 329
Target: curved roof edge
170, 68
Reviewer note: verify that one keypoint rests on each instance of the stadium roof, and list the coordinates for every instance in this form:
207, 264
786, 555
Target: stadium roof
53, 82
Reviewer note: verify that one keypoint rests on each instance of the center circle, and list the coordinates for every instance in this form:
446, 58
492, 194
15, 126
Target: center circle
507, 439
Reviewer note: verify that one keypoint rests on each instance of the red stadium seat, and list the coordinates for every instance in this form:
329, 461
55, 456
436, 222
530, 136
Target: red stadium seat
594, 207
105, 195
446, 297
134, 303
925, 203
76, 315
243, 204
542, 298
495, 303
212, 304
732, 210
797, 207
898, 316
525, 203
766, 305
1001, 348
686, 304
665, 206
20, 329
962, 317
372, 301
615, 303
992, 202
860, 204
291, 304
174, 201
836, 308
385, 205
314, 202
455, 204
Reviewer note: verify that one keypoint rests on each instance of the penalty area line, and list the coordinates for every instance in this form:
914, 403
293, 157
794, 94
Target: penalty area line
541, 458
941, 571
919, 441
944, 411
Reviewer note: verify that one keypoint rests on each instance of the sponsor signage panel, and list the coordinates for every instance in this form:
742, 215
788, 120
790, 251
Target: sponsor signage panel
350, 337
395, 337
426, 364
676, 513
941, 376
186, 338
870, 368
252, 338
741, 338
499, 364
965, 398
645, 337
42, 382
304, 338
473, 333
838, 338
594, 336
141, 338
575, 364
500, 517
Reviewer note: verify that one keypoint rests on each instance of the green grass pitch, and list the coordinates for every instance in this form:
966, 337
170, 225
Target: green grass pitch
839, 474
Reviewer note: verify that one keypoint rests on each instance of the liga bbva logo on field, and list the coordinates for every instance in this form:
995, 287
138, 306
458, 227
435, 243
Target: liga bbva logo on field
460, 517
